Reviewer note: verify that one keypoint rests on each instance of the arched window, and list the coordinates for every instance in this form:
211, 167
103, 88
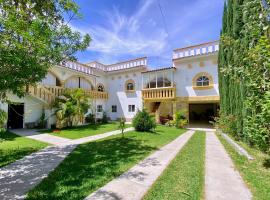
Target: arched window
203, 81
130, 86
100, 88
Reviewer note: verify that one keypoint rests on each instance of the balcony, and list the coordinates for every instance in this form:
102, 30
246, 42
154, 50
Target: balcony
159, 94
57, 91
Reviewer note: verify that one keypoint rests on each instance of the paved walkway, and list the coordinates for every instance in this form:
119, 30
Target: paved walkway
134, 183
21, 176
222, 181
60, 141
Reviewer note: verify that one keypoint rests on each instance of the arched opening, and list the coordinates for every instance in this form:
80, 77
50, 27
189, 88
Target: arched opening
78, 82
51, 80
130, 86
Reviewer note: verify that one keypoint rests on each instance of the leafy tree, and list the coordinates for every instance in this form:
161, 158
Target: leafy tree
244, 71
3, 120
34, 36
143, 121
71, 107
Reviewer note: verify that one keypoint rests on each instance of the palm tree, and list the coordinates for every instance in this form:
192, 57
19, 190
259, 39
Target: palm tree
71, 107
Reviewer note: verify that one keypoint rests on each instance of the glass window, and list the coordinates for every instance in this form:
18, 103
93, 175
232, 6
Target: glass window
160, 82
203, 81
146, 81
130, 86
114, 108
131, 108
99, 108
153, 80
168, 78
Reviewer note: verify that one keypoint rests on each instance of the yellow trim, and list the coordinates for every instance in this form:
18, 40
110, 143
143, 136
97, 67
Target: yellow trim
194, 81
199, 99
127, 82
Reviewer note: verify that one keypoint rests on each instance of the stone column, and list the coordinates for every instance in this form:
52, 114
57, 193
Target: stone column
174, 109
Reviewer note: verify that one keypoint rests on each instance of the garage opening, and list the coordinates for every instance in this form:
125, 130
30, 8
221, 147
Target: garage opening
15, 116
202, 114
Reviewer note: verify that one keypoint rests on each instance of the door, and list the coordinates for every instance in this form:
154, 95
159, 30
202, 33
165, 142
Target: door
15, 116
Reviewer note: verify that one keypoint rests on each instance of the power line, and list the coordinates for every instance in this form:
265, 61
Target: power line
163, 17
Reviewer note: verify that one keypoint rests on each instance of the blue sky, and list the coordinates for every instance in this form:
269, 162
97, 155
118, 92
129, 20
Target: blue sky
127, 29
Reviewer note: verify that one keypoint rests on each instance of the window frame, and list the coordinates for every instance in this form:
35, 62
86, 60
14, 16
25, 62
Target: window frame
127, 89
99, 107
206, 75
131, 108
114, 108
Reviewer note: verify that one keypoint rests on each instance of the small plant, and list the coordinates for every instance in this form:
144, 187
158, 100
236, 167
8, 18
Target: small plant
42, 121
180, 119
122, 125
90, 118
104, 119
3, 120
143, 121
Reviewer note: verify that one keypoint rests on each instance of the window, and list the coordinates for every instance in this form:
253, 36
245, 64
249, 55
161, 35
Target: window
114, 108
99, 108
203, 81
100, 88
130, 86
131, 108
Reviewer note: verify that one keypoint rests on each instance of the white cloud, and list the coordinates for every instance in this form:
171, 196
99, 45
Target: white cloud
124, 35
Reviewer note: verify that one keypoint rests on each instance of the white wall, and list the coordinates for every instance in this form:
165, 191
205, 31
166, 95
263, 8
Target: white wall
184, 75
119, 97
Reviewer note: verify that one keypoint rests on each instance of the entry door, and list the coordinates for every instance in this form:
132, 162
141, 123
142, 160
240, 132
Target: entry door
15, 116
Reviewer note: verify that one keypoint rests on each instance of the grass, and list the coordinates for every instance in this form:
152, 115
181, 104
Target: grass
184, 177
92, 165
256, 173
14, 147
87, 130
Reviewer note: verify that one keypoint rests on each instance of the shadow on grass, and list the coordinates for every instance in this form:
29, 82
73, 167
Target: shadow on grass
89, 167
8, 136
266, 163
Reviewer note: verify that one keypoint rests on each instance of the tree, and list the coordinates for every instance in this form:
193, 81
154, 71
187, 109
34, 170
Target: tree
122, 125
244, 71
71, 108
34, 36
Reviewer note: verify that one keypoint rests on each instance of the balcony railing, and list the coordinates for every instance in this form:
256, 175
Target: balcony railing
57, 91
154, 94
197, 50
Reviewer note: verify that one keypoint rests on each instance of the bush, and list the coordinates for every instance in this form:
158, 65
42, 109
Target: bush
90, 118
3, 120
104, 119
180, 119
143, 121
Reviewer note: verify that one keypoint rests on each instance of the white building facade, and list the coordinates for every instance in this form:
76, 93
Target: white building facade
121, 89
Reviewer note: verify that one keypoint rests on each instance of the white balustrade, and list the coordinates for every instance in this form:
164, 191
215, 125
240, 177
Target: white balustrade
202, 49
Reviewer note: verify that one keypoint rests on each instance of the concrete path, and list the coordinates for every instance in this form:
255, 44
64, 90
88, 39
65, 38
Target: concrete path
222, 181
60, 141
137, 181
17, 178
43, 137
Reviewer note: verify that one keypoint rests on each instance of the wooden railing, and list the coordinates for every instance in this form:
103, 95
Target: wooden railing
49, 93
42, 93
159, 93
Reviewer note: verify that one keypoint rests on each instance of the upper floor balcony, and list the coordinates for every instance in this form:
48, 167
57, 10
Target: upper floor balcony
197, 50
120, 66
158, 85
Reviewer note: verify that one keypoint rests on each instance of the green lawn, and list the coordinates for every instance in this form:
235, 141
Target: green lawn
14, 147
92, 165
184, 177
256, 173
87, 130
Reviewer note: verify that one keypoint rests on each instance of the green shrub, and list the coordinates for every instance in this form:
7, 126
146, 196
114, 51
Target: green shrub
143, 121
180, 119
90, 118
122, 125
3, 120
104, 119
